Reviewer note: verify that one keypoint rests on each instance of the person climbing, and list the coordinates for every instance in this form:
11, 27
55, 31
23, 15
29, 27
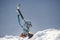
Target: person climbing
26, 25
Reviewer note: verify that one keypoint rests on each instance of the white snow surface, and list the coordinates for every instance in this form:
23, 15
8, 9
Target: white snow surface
48, 34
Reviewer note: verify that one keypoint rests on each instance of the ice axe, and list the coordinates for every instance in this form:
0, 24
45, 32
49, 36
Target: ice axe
19, 13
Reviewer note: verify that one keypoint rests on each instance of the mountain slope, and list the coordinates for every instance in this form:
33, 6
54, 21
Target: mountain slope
48, 34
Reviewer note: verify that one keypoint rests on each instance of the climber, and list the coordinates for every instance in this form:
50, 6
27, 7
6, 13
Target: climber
26, 24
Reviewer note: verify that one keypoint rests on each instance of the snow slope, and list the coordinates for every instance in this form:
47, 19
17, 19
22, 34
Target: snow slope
48, 34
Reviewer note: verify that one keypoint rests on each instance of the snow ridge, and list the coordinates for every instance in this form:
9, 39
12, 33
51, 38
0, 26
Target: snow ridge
48, 34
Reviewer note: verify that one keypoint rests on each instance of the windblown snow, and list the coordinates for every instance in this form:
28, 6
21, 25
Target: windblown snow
48, 34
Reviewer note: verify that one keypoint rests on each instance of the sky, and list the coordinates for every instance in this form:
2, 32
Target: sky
44, 14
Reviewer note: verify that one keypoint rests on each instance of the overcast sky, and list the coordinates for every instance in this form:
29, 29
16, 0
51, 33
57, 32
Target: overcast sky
43, 14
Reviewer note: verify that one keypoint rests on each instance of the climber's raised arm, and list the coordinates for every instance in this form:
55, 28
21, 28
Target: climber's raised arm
18, 10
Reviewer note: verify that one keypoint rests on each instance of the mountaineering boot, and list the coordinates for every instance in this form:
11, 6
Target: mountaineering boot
30, 35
